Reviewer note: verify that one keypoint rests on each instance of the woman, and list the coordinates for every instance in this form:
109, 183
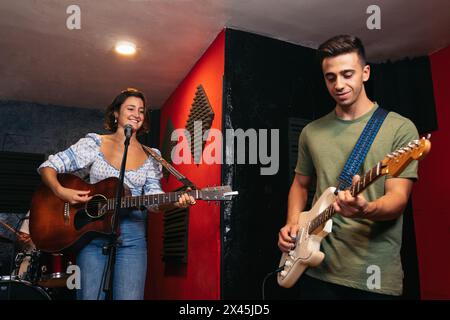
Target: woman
100, 156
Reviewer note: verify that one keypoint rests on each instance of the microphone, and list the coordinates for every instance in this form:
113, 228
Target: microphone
128, 131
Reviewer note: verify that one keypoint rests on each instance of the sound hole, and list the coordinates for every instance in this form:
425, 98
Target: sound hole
96, 207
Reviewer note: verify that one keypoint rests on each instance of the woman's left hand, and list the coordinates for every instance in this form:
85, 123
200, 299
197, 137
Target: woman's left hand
185, 200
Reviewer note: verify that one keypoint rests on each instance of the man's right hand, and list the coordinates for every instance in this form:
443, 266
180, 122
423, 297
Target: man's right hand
73, 196
287, 237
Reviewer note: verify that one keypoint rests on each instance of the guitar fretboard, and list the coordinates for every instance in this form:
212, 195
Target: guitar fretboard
355, 189
148, 200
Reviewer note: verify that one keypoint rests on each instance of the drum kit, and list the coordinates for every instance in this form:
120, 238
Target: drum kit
36, 275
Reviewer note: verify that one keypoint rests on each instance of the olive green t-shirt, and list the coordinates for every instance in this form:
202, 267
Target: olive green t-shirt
356, 249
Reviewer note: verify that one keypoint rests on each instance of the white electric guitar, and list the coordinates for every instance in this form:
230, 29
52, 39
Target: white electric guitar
316, 224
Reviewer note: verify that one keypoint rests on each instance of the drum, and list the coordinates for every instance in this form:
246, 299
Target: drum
53, 270
12, 289
48, 270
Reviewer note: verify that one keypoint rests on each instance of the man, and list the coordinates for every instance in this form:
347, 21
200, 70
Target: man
367, 230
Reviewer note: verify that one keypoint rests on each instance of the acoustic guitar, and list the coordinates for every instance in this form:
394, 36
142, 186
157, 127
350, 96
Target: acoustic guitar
56, 225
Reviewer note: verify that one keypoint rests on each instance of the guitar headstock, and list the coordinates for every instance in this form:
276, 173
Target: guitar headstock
220, 193
395, 162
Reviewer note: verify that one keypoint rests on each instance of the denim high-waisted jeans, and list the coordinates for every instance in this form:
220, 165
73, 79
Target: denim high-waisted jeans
131, 262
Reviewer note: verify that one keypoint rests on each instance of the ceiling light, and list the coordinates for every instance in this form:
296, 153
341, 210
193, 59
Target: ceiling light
125, 48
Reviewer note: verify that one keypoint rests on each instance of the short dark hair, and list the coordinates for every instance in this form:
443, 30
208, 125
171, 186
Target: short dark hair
342, 44
110, 124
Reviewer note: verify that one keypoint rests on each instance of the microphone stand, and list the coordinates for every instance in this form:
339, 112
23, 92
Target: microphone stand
111, 248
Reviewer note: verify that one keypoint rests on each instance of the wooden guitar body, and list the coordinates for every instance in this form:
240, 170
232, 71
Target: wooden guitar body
56, 225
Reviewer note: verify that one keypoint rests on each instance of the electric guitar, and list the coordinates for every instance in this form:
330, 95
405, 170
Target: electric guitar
56, 225
316, 224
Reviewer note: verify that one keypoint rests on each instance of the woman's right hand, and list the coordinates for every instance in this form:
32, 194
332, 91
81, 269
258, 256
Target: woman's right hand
287, 237
73, 196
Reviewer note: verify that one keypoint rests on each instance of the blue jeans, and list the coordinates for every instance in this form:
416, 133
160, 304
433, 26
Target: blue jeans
131, 262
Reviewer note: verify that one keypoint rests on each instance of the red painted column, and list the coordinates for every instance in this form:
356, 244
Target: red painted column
200, 277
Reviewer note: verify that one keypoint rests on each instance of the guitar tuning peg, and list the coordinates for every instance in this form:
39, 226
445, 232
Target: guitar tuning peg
208, 202
217, 203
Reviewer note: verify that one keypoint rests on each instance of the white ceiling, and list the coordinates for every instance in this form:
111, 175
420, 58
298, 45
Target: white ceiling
42, 61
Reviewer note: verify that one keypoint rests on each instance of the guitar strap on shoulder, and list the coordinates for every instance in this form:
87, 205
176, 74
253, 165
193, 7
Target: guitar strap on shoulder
169, 168
361, 148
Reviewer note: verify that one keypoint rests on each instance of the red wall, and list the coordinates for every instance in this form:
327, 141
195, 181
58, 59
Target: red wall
431, 210
200, 277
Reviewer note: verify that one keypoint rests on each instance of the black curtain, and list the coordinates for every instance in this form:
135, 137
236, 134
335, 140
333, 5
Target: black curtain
406, 87
266, 82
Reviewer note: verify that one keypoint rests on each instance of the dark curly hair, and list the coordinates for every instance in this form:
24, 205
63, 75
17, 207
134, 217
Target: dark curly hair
110, 124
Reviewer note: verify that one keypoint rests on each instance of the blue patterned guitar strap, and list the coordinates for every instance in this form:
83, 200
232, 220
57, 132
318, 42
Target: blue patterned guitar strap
361, 148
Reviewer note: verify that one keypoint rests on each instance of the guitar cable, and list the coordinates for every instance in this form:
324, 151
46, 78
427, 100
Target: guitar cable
267, 277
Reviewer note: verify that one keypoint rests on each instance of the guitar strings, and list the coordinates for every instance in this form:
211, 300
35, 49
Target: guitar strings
96, 202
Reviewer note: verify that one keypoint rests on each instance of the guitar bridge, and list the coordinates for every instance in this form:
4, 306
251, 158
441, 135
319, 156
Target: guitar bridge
66, 213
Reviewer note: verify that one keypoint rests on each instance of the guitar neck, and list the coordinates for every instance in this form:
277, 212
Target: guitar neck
371, 175
151, 199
